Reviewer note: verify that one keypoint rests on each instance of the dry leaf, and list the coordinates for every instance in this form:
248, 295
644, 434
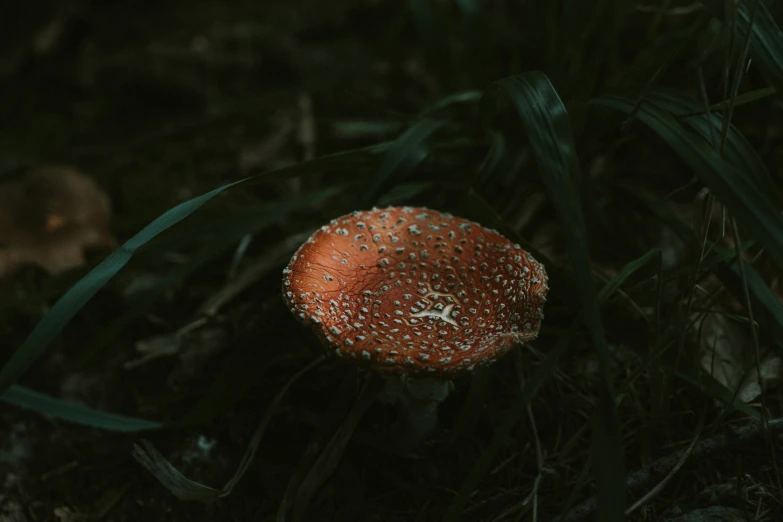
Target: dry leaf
721, 231
727, 353
155, 348
64, 514
768, 370
726, 348
49, 217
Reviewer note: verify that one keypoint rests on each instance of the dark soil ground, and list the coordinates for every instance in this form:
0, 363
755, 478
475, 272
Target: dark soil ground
163, 101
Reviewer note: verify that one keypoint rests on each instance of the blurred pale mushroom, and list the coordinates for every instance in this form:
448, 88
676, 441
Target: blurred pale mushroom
49, 217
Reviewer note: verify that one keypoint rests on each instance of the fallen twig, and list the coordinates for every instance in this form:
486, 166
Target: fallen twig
170, 344
643, 477
272, 257
186, 489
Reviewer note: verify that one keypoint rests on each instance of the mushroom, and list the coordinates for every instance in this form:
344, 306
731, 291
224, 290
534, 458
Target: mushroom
49, 217
417, 295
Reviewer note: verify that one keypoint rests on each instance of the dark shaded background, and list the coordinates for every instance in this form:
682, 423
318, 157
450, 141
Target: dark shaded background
163, 101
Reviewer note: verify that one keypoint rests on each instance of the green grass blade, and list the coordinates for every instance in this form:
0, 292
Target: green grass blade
452, 99
624, 273
731, 186
405, 153
771, 312
766, 39
724, 264
329, 458
711, 387
424, 16
225, 236
737, 150
503, 430
187, 489
494, 158
80, 294
546, 125
28, 399
740, 100
469, 8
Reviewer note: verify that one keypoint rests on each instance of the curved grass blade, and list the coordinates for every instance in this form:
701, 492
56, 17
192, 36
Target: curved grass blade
187, 489
80, 294
329, 458
712, 387
739, 100
353, 162
469, 8
736, 150
229, 233
495, 155
730, 185
452, 99
547, 127
28, 399
766, 39
625, 272
502, 431
332, 416
724, 264
82, 291
404, 154
771, 312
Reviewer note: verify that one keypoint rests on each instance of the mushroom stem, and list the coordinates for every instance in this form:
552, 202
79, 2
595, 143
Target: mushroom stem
417, 400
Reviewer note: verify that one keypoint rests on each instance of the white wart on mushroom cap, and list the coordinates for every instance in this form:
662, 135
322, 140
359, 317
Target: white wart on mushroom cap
415, 291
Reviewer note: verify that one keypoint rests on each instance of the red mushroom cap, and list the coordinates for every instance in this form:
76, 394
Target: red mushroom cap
415, 291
